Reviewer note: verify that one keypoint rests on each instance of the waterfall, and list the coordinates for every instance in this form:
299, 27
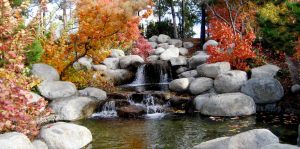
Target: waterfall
108, 110
139, 76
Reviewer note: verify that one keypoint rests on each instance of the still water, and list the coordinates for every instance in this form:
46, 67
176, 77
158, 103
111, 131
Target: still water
179, 131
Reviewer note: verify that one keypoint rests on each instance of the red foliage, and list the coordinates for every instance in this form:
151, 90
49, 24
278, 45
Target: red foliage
142, 47
234, 46
297, 48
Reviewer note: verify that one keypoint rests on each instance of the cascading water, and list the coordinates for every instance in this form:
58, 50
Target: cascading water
152, 76
108, 110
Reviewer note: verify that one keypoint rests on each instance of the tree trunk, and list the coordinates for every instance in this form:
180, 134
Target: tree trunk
159, 11
174, 19
203, 24
183, 19
64, 8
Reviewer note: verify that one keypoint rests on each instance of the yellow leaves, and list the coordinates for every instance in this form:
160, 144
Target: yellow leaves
272, 12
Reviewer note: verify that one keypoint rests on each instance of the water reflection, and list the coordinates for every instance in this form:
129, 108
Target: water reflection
173, 132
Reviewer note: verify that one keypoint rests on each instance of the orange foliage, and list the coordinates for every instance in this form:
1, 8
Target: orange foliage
297, 47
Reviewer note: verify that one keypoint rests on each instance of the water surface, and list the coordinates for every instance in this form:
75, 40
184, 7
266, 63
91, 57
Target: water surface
178, 131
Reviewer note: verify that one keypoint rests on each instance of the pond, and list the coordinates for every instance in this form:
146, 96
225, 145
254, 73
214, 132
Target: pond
178, 131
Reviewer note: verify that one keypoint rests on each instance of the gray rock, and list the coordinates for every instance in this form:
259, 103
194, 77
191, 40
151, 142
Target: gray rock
15, 140
295, 88
169, 53
179, 85
230, 81
86, 62
163, 45
99, 67
119, 76
131, 111
200, 100
152, 58
112, 63
213, 70
159, 51
183, 51
252, 139
264, 71
197, 60
181, 70
35, 97
188, 45
116, 53
200, 85
63, 135
153, 44
153, 38
163, 38
45, 72
77, 66
96, 93
263, 90
188, 74
209, 43
57, 89
176, 42
229, 104
131, 61
39, 144
280, 146
73, 108
178, 61
218, 143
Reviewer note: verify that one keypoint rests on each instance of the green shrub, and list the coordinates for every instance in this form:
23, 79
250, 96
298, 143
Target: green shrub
34, 52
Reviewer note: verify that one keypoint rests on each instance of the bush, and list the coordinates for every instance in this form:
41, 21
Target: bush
142, 48
34, 52
164, 27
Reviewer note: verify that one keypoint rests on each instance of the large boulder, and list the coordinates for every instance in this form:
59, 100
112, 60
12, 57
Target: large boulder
86, 62
44, 72
57, 89
163, 45
152, 58
252, 139
209, 43
169, 53
213, 70
119, 76
99, 67
280, 146
74, 108
163, 38
200, 100
264, 71
131, 61
15, 140
200, 85
188, 74
175, 42
131, 111
153, 38
183, 51
153, 44
179, 85
229, 104
93, 92
263, 90
188, 45
230, 81
34, 97
197, 60
181, 70
159, 51
63, 135
39, 144
116, 53
112, 63
178, 61
218, 143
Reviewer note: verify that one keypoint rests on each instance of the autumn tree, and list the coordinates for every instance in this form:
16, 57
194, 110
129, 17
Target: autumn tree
230, 25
